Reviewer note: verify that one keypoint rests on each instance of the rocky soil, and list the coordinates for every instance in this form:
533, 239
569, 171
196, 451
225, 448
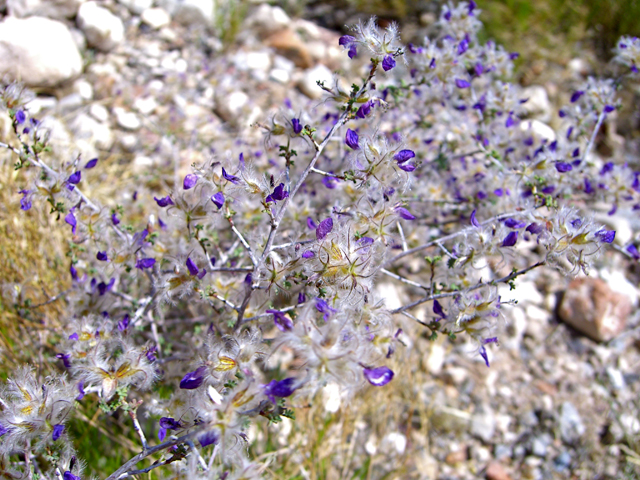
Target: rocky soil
146, 83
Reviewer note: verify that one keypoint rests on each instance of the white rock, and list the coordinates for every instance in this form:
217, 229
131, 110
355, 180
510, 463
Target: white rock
229, 107
99, 112
137, 6
259, 61
619, 283
70, 102
126, 120
539, 129
525, 292
54, 9
538, 104
308, 85
190, 12
39, 104
146, 106
156, 18
84, 89
279, 75
129, 142
267, 19
396, 441
435, 359
38, 51
142, 161
102, 28
96, 134
283, 63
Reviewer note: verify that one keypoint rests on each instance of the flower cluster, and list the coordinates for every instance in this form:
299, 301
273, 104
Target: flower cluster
186, 296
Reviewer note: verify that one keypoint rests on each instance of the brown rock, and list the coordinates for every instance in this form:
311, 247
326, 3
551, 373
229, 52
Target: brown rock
591, 307
495, 471
453, 458
290, 45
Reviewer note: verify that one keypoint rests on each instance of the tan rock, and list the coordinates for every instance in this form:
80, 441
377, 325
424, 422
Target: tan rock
495, 471
591, 307
290, 45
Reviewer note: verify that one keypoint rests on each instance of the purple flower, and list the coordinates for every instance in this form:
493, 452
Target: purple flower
460, 83
167, 423
379, 376
463, 46
190, 181
163, 202
510, 121
114, 219
301, 298
404, 213
351, 139
150, 353
404, 155
513, 55
347, 41
74, 336
407, 167
230, 178
280, 388
364, 109
297, 127
218, 200
209, 438
193, 379
25, 201
564, 167
607, 167
606, 236
535, 228
279, 193
192, 267
75, 177
65, 359
57, 431
633, 251
513, 223
483, 351
143, 263
308, 254
388, 62
474, 220
102, 256
71, 220
576, 96
447, 15
510, 240
588, 188
438, 310
3, 430
80, 391
69, 476
609, 108
281, 320
324, 228
311, 224
323, 307
20, 117
91, 163
124, 323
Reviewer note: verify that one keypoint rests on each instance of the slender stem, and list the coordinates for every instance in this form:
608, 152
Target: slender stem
437, 241
124, 470
505, 279
136, 426
403, 279
592, 140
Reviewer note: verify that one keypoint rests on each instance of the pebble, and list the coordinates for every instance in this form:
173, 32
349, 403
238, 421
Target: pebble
266, 19
102, 28
308, 83
54, 9
99, 112
126, 120
483, 424
591, 307
230, 106
137, 6
571, 426
156, 18
495, 471
38, 51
